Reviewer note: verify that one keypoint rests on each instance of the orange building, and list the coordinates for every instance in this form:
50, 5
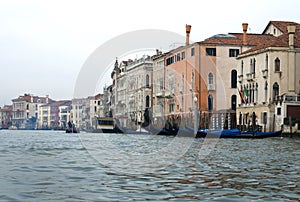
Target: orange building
204, 74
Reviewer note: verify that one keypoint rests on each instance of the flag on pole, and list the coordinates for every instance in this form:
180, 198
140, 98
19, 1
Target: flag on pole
241, 92
246, 95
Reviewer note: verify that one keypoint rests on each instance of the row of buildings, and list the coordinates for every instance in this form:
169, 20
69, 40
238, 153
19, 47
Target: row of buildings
35, 112
236, 80
230, 80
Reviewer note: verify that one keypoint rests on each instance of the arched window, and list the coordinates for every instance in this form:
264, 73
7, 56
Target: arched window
242, 67
210, 79
275, 90
277, 65
210, 103
233, 79
233, 102
256, 93
147, 81
147, 101
267, 61
253, 66
266, 92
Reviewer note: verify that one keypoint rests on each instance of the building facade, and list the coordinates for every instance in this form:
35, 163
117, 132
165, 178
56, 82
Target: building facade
25, 110
6, 116
132, 91
269, 77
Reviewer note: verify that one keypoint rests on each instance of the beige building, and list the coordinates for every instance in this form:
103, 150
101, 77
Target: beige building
64, 114
44, 116
25, 110
5, 116
96, 109
54, 115
80, 113
269, 78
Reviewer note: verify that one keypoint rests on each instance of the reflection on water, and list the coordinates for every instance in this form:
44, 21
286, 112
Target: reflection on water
50, 165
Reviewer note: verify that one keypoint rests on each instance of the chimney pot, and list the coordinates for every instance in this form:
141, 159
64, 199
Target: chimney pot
188, 31
291, 30
245, 28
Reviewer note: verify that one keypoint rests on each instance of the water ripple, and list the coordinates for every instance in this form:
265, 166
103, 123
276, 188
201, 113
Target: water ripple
53, 166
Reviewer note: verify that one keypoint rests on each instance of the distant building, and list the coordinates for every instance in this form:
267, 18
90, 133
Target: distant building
54, 115
80, 113
6, 116
269, 77
96, 109
25, 110
132, 91
64, 114
107, 99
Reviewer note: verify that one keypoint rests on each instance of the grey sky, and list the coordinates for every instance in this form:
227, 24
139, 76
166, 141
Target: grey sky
43, 44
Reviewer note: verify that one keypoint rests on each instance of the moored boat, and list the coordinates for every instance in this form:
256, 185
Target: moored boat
236, 133
106, 125
71, 128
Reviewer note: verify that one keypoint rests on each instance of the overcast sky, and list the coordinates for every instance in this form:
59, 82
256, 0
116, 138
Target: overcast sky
43, 44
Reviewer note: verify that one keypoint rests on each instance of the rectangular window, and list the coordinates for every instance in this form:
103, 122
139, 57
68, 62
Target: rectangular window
211, 51
264, 118
171, 108
178, 57
233, 52
192, 51
278, 111
170, 60
183, 55
161, 83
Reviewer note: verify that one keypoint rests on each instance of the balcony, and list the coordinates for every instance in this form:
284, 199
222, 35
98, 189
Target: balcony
265, 73
250, 76
291, 98
287, 99
211, 87
159, 93
240, 78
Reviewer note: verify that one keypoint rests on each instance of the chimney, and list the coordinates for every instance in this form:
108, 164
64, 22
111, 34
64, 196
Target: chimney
291, 30
245, 27
188, 31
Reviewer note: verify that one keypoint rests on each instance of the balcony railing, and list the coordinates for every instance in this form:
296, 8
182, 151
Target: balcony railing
250, 76
288, 98
291, 98
211, 87
240, 78
265, 73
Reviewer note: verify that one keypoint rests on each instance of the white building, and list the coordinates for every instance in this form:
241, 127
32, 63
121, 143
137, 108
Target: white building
132, 90
269, 74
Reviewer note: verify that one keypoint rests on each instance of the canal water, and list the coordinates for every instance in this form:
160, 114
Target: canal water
55, 166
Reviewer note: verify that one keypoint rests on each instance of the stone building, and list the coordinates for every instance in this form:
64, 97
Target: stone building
25, 110
269, 78
158, 89
54, 115
132, 91
64, 114
96, 109
6, 116
80, 113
